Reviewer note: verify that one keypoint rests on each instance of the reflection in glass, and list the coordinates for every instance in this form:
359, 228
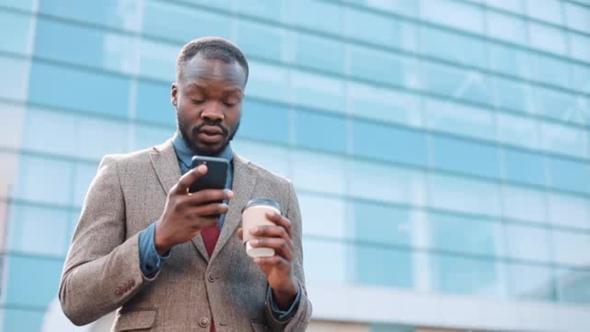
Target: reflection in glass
571, 248
547, 38
549, 11
524, 204
564, 140
527, 243
577, 17
569, 175
579, 47
261, 40
310, 51
383, 266
530, 282
517, 130
573, 286
465, 16
382, 224
268, 82
524, 167
383, 67
316, 15
153, 103
256, 124
516, 6
506, 28
463, 156
459, 119
552, 71
318, 91
324, 216
556, 104
448, 81
267, 9
158, 60
465, 195
309, 172
466, 50
314, 130
19, 25
569, 211
509, 61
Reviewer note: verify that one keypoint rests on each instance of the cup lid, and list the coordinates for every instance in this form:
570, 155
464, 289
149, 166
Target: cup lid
263, 201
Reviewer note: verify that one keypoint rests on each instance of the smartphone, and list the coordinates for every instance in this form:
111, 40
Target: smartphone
216, 176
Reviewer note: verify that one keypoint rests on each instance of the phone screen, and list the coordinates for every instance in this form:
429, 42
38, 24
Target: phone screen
216, 176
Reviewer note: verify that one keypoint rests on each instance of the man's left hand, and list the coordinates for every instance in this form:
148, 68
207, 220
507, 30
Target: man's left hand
278, 268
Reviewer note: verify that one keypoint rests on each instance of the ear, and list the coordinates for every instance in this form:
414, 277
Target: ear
174, 94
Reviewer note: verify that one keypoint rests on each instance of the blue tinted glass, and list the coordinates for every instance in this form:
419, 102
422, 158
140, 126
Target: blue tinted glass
464, 16
465, 50
318, 91
38, 230
402, 7
382, 266
157, 60
509, 60
148, 136
530, 282
316, 15
84, 174
84, 46
459, 119
569, 175
524, 167
464, 234
466, 157
379, 223
158, 15
112, 13
12, 117
581, 80
548, 11
527, 243
267, 9
389, 143
557, 105
507, 28
462, 275
79, 90
573, 286
362, 25
452, 82
318, 53
153, 103
547, 38
25, 287
257, 117
462, 194
268, 82
319, 131
510, 95
44, 180
382, 67
260, 40
550, 70
14, 82
579, 47
19, 25
22, 320
58, 138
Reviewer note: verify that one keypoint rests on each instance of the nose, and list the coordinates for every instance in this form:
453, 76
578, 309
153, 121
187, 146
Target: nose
213, 112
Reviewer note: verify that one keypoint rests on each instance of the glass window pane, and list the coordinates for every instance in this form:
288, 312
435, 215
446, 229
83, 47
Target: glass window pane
394, 144
24, 288
506, 28
117, 140
573, 286
38, 230
44, 180
393, 33
447, 81
15, 78
310, 51
326, 262
12, 126
459, 119
464, 50
373, 181
158, 15
10, 168
309, 172
273, 158
459, 194
450, 154
258, 116
569, 175
402, 7
511, 95
319, 131
84, 174
463, 275
267, 9
318, 91
571, 248
547, 38
382, 266
564, 140
551, 71
383, 67
87, 91
61, 137
153, 103
324, 216
18, 4
465, 16
316, 15
556, 104
261, 40
581, 81
20, 26
268, 82
110, 13
547, 10
21, 319
389, 224
524, 167
527, 243
530, 282
524, 204
577, 17
383, 104
580, 47
516, 130
569, 210
158, 60
461, 234
146, 136
516, 6
509, 61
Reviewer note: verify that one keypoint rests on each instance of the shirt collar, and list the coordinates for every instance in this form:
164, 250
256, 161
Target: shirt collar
185, 153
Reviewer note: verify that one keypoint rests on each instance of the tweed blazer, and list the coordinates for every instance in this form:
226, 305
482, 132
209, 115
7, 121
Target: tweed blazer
102, 271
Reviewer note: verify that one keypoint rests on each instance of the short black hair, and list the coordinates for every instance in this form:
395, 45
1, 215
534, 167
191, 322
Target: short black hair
211, 48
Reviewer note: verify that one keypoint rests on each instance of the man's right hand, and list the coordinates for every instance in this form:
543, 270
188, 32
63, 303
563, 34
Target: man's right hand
187, 214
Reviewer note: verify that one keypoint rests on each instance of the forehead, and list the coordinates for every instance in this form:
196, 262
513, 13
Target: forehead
216, 72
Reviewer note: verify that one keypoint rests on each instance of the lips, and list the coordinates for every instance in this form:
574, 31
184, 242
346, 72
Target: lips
211, 130
210, 135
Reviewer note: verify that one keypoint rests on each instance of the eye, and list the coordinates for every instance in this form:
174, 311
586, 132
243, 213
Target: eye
229, 104
198, 101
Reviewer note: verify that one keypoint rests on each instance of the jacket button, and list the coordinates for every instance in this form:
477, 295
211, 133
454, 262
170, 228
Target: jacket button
211, 277
204, 322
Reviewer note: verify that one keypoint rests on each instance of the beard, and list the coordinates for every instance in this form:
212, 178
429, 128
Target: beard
190, 136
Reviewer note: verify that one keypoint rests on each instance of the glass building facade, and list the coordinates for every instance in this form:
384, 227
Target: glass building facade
440, 148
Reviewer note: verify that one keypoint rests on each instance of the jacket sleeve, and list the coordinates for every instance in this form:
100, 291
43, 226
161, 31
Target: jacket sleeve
102, 269
301, 318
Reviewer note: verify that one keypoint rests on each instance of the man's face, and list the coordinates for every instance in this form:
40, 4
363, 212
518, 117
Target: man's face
208, 99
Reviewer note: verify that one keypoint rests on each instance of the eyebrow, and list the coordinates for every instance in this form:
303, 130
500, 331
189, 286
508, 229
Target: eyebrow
226, 91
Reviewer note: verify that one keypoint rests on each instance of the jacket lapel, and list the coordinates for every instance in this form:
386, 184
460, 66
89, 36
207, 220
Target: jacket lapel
243, 186
168, 171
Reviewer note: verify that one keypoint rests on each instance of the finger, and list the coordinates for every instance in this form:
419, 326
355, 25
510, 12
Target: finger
280, 220
204, 222
281, 247
270, 232
208, 195
270, 261
187, 179
241, 233
207, 210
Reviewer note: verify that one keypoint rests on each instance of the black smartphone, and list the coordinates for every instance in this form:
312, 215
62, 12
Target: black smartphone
216, 176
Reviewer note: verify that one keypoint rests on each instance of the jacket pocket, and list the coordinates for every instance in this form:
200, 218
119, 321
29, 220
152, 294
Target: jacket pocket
260, 327
135, 320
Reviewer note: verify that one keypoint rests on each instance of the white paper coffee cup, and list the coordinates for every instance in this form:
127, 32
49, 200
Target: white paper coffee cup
254, 215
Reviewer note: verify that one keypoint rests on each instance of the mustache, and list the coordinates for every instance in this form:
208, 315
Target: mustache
209, 123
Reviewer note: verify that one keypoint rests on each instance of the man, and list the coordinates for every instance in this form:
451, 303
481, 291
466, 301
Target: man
145, 246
